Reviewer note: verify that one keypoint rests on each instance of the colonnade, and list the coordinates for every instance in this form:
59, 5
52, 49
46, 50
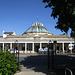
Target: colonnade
11, 46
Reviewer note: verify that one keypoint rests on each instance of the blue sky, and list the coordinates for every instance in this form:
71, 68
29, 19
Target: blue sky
18, 16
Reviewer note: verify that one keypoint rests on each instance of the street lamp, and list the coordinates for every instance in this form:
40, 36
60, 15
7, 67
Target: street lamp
50, 57
18, 51
55, 42
49, 67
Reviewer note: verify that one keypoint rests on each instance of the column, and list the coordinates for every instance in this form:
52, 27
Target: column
25, 47
40, 45
33, 47
63, 47
3, 46
10, 45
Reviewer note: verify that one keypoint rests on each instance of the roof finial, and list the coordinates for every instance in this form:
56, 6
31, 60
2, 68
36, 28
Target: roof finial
37, 19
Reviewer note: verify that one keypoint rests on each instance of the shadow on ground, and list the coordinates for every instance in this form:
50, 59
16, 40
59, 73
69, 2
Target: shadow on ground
39, 63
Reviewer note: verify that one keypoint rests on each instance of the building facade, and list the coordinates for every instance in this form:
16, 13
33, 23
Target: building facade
37, 36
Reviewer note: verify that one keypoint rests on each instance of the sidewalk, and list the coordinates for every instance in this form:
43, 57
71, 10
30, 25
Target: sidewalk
29, 73
25, 71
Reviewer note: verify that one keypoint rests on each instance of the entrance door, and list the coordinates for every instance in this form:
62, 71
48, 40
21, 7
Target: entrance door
36, 47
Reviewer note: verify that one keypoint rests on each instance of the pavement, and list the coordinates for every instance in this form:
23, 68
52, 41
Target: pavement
36, 64
25, 71
30, 73
31, 66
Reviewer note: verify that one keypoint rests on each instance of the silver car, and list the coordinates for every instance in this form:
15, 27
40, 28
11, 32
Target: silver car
40, 50
12, 51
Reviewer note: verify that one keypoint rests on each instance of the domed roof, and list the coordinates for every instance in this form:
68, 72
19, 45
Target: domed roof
37, 28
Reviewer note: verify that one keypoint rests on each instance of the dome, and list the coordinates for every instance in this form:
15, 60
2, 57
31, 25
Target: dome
37, 28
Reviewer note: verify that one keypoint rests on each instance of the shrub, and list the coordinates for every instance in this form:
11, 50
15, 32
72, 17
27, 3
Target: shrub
8, 64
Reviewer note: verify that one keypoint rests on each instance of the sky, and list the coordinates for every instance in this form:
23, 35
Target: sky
18, 16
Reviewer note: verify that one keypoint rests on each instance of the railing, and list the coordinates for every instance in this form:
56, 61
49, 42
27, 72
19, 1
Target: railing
69, 71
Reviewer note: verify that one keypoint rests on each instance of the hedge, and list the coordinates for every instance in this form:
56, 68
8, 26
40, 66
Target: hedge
8, 64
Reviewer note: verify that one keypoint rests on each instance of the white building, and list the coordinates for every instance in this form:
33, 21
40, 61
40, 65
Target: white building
37, 36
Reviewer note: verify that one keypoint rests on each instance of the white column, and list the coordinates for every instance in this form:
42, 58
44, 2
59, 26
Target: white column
40, 45
25, 47
71, 47
3, 46
10, 45
33, 47
63, 46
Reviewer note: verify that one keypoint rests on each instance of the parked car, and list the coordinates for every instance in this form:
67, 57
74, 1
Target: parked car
12, 51
40, 50
45, 50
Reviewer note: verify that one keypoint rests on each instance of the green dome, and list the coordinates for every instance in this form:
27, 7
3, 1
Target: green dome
37, 28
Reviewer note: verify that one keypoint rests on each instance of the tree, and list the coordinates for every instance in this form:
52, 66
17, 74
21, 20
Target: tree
64, 10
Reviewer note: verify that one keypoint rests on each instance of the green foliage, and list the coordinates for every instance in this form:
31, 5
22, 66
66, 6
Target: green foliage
8, 64
64, 10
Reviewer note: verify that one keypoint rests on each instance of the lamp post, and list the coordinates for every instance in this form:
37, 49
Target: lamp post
50, 57
49, 67
55, 42
18, 52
